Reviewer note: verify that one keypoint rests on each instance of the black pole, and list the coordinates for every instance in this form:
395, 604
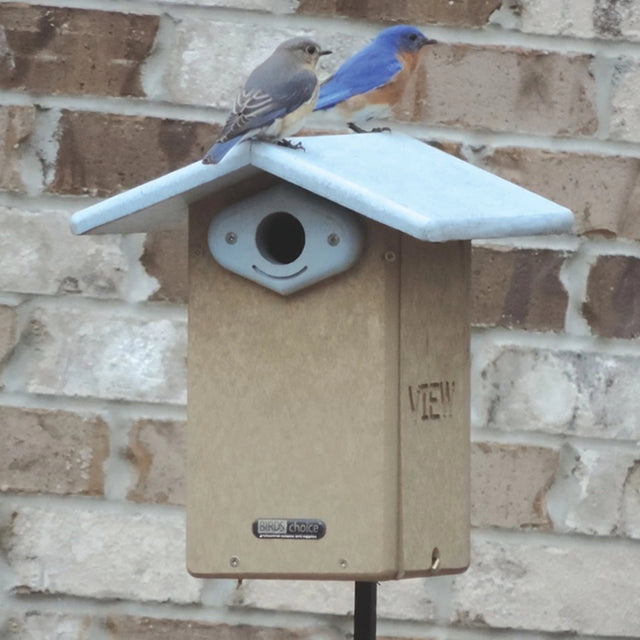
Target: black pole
364, 614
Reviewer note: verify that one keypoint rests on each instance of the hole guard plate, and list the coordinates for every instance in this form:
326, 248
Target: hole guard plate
333, 238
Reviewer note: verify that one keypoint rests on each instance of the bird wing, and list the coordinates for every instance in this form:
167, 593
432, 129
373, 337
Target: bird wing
258, 106
368, 69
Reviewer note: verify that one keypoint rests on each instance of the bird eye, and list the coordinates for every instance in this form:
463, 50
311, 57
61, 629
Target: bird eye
413, 37
311, 49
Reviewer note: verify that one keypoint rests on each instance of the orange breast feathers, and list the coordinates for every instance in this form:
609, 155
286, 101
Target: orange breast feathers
385, 97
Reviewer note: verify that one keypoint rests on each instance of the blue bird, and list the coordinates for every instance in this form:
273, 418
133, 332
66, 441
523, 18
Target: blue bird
277, 96
370, 83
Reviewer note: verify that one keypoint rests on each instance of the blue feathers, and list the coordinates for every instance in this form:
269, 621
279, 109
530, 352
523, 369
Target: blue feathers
369, 69
372, 67
220, 150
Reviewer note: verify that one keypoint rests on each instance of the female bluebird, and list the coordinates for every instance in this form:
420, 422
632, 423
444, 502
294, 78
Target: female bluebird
370, 83
278, 95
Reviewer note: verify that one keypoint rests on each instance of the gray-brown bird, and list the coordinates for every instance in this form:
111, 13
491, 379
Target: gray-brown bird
277, 97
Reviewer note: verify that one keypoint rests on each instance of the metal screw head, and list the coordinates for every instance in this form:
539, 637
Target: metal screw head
234, 561
231, 238
435, 559
343, 563
333, 239
390, 256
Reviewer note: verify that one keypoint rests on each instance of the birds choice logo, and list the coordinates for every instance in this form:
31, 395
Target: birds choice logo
289, 529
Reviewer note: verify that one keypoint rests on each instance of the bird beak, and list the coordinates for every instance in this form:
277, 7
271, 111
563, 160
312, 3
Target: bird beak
427, 41
325, 53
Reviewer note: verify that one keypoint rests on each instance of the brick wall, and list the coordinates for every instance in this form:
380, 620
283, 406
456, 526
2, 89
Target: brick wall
92, 329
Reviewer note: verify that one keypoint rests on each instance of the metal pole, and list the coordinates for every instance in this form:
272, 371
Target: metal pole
364, 614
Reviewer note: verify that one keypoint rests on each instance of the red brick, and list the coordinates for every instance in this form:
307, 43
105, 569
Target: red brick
165, 258
130, 628
518, 288
17, 123
103, 154
503, 89
87, 551
509, 484
625, 99
630, 512
76, 51
586, 19
598, 189
52, 452
612, 306
34, 625
38, 255
452, 148
157, 451
107, 352
465, 12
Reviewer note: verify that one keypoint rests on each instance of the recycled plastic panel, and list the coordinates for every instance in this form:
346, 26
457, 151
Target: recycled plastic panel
288, 404
391, 178
295, 413
434, 404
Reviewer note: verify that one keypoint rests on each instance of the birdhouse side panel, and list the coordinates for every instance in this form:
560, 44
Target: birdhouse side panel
434, 406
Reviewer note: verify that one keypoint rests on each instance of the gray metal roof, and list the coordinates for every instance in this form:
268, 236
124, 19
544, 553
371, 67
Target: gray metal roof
392, 178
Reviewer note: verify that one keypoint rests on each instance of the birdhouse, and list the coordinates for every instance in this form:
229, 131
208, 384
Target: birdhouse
328, 384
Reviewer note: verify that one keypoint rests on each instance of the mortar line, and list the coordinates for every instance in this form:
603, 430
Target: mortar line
481, 434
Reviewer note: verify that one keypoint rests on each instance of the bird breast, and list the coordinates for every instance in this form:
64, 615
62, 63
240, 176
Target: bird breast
292, 122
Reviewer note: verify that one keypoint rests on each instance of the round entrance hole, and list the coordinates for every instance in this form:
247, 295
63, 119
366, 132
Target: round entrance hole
280, 238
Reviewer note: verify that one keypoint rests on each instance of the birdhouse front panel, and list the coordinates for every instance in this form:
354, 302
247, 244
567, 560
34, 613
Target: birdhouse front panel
295, 426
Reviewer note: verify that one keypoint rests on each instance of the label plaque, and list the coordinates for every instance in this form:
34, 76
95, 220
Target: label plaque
289, 528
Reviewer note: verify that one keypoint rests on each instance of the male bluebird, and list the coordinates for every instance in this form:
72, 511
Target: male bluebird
370, 83
278, 95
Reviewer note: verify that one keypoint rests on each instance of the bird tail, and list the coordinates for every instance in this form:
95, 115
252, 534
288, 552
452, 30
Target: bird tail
220, 150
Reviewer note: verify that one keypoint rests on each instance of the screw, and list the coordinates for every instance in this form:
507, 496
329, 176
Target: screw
231, 238
390, 256
343, 563
234, 561
435, 559
333, 239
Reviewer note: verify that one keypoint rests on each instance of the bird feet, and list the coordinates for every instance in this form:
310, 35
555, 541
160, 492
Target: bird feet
290, 145
355, 128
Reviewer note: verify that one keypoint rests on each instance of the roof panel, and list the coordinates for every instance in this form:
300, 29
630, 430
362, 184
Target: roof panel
391, 178
414, 187
162, 203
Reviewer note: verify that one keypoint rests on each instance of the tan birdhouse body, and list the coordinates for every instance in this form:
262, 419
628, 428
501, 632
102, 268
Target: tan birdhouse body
345, 404
328, 384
